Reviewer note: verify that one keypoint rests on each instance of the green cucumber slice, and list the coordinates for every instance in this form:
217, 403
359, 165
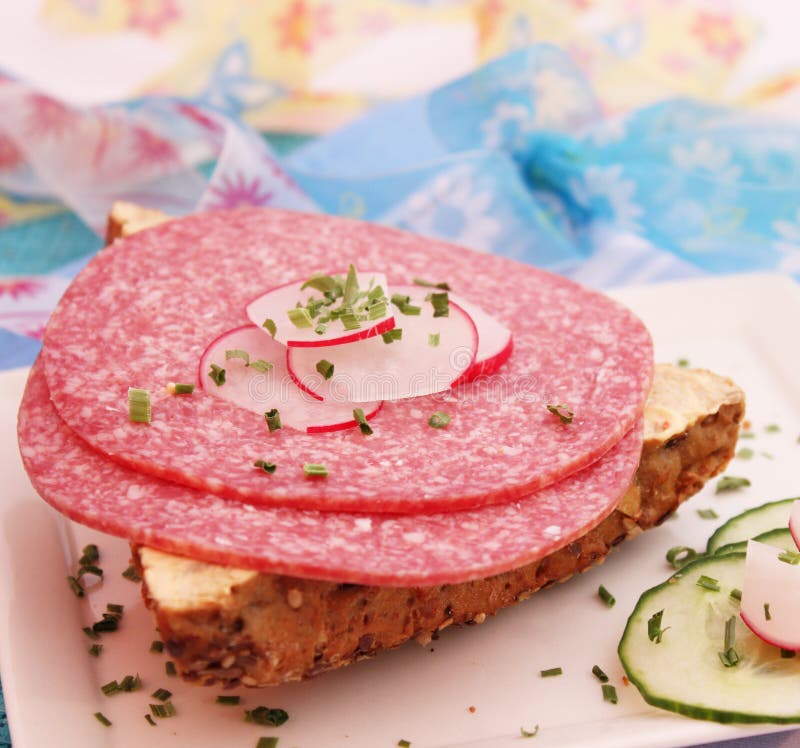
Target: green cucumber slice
780, 537
751, 523
683, 672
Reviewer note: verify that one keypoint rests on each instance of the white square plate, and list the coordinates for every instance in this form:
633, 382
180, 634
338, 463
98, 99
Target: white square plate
473, 687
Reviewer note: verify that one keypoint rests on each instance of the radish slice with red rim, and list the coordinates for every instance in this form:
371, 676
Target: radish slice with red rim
249, 386
432, 353
275, 304
771, 596
495, 342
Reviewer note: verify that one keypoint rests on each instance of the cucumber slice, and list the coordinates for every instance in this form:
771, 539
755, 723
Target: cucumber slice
683, 672
751, 523
780, 537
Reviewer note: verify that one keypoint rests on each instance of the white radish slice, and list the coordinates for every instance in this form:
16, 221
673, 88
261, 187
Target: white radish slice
274, 305
420, 363
495, 342
794, 522
768, 581
260, 392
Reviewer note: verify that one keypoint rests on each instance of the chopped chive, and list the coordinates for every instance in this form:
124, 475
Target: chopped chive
267, 467
139, 410
273, 418
130, 683
115, 608
325, 368
95, 571
730, 633
609, 693
707, 514
169, 668
768, 455
102, 719
180, 388
429, 284
680, 555
767, 614
315, 470
790, 557
731, 483
95, 650
606, 596
433, 339
565, 415
745, 453
106, 625
237, 353
156, 646
300, 317
683, 363
110, 688
321, 282
747, 435
654, 630
75, 586
267, 742
217, 374
90, 632
269, 325
261, 715
529, 733
404, 743
392, 335
599, 674
708, 583
411, 310
377, 310
361, 420
400, 300
350, 321
376, 294
131, 574
772, 428
787, 654
228, 700
729, 658
260, 365
439, 420
441, 304
551, 672
736, 594
162, 711
350, 291
320, 328
162, 694
89, 555
150, 720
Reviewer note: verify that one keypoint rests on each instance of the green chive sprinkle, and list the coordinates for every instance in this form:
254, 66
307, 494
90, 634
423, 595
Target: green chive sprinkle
599, 674
315, 470
162, 711
267, 467
180, 388
731, 483
708, 583
320, 328
747, 435
609, 693
237, 353
131, 575
680, 555
551, 672
110, 688
429, 284
767, 614
75, 586
90, 632
130, 683
217, 374
261, 715
228, 700
400, 300
736, 594
730, 632
790, 557
269, 325
267, 742
529, 733
707, 514
606, 596
89, 555
95, 650
300, 317
156, 646
162, 694
260, 365
150, 720
350, 291
169, 668
404, 743
729, 658
565, 415
433, 340
361, 420
376, 311
683, 363
392, 335
772, 428
115, 608
95, 571
102, 719
139, 410
654, 630
321, 282
787, 654
441, 304
745, 453
325, 368
273, 418
439, 420
106, 625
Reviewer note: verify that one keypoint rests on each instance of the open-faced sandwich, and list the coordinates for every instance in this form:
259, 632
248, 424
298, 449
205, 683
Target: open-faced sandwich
324, 438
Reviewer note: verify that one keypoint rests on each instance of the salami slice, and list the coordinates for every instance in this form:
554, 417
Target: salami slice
360, 548
155, 300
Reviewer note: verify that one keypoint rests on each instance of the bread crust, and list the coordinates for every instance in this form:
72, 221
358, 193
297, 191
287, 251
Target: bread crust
266, 629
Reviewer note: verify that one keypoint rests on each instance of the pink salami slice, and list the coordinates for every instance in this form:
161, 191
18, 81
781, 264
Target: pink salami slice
154, 301
257, 380
360, 548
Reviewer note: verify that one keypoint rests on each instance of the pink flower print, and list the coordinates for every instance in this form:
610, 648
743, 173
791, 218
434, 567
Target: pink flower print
49, 117
152, 16
719, 35
239, 193
304, 25
10, 157
151, 149
21, 287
